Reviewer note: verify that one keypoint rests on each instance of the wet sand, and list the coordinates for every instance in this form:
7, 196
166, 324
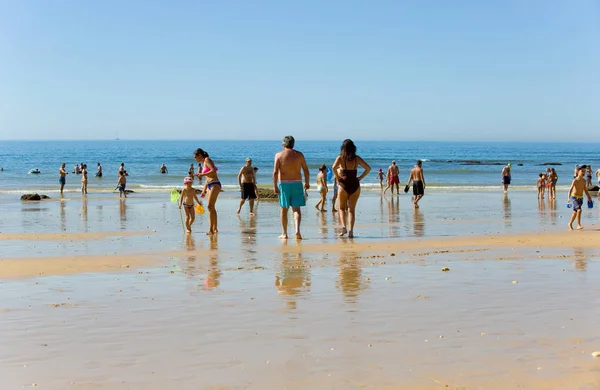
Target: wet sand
109, 294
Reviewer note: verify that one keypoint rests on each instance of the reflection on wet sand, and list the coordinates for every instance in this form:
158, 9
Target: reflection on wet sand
322, 218
84, 213
123, 213
350, 280
63, 216
293, 278
507, 211
214, 273
581, 260
394, 216
418, 223
248, 237
552, 213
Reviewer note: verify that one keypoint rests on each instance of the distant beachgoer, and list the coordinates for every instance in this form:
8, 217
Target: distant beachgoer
84, 179
187, 198
393, 178
122, 169
76, 169
212, 187
122, 183
588, 176
163, 168
380, 177
1, 169
322, 188
541, 185
99, 171
598, 178
287, 183
349, 183
506, 177
191, 172
553, 179
335, 194
62, 177
247, 184
575, 196
417, 177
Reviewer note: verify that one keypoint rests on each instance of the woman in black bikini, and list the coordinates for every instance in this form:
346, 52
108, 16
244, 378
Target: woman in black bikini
345, 170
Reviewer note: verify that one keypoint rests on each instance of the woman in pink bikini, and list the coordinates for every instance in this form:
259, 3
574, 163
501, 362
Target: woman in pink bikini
212, 187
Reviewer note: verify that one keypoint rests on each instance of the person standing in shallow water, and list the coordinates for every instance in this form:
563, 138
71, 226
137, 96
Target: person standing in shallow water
62, 177
212, 187
287, 183
345, 169
247, 184
418, 182
506, 177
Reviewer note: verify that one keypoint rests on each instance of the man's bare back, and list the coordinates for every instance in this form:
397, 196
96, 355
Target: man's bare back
416, 174
393, 170
290, 163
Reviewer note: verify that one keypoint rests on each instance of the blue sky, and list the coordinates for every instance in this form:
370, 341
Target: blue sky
406, 70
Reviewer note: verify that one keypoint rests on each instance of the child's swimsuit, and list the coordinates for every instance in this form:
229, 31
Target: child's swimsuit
189, 206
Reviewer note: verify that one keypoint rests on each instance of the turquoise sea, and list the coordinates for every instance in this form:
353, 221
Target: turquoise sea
448, 165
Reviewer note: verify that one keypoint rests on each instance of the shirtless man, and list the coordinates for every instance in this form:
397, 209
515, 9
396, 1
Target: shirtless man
163, 169
393, 178
418, 182
62, 179
99, 171
247, 184
122, 169
575, 196
287, 183
506, 177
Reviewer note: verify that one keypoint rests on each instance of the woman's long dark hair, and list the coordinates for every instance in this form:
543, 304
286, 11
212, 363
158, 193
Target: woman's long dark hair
348, 150
200, 152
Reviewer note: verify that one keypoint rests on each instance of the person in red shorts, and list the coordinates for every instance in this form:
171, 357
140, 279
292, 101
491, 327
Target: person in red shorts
393, 178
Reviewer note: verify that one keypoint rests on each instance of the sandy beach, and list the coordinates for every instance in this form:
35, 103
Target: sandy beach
100, 293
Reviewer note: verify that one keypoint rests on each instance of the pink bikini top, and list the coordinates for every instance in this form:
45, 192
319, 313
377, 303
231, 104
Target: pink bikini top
207, 169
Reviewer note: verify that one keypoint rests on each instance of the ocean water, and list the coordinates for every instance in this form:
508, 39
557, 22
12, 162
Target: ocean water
447, 165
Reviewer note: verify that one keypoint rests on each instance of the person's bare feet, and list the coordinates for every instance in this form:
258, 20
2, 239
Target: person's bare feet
350, 234
210, 233
252, 214
323, 210
416, 206
570, 227
343, 232
579, 227
283, 236
334, 211
298, 236
317, 206
238, 210
188, 231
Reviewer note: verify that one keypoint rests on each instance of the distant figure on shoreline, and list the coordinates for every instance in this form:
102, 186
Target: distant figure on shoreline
122, 169
575, 196
76, 169
588, 176
322, 188
62, 177
84, 179
541, 185
247, 183
163, 169
506, 177
393, 178
380, 177
287, 183
191, 172
349, 184
122, 183
212, 187
418, 182
99, 171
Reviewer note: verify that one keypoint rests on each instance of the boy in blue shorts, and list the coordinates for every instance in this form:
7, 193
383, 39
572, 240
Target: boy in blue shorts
575, 196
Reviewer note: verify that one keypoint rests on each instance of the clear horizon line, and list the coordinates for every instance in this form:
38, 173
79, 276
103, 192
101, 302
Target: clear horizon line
275, 140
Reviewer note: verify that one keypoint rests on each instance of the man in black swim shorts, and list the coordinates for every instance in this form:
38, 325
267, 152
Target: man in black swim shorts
247, 183
418, 181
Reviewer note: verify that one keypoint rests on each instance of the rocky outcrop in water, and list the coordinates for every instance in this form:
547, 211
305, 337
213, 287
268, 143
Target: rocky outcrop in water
32, 197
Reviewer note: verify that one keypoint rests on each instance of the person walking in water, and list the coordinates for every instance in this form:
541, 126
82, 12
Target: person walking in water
84, 178
288, 168
247, 183
163, 169
322, 188
417, 178
393, 178
212, 187
506, 177
62, 177
575, 196
345, 169
99, 171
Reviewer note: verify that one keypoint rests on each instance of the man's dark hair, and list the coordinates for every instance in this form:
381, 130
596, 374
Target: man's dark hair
288, 142
419, 162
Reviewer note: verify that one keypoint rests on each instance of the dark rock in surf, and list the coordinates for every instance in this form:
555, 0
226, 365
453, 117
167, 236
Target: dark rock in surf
551, 163
33, 197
